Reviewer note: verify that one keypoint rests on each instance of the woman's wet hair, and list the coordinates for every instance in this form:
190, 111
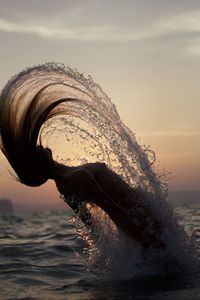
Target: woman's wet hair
20, 126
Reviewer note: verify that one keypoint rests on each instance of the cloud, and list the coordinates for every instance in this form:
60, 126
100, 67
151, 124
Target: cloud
64, 29
64, 32
38, 29
183, 23
194, 49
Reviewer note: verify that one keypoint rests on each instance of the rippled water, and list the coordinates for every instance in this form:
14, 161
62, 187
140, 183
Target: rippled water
41, 257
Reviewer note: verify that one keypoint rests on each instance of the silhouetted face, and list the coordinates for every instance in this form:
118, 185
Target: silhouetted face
37, 170
44, 155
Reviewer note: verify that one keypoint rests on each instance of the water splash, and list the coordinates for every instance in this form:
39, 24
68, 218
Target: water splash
92, 131
93, 118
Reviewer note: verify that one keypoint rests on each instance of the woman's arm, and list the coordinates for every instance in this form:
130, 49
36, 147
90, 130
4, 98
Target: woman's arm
79, 185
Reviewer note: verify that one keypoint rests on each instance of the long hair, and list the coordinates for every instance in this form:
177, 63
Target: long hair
37, 94
20, 124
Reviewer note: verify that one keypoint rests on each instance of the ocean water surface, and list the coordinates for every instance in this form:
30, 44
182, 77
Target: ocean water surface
43, 257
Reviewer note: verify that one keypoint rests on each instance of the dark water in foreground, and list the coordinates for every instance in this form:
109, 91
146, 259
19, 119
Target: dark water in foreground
39, 259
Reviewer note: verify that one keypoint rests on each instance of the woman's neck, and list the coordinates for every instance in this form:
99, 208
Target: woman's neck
60, 170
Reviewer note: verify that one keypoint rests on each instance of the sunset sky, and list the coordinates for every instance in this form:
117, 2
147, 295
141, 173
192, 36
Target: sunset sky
145, 54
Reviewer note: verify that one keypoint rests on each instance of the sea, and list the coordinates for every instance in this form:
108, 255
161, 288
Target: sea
42, 256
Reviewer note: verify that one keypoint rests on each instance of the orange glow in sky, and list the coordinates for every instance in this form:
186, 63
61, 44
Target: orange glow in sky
145, 56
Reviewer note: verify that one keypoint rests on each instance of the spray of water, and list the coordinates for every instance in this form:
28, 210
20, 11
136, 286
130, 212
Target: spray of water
92, 131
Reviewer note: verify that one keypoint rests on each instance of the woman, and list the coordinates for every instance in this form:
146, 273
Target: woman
95, 183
